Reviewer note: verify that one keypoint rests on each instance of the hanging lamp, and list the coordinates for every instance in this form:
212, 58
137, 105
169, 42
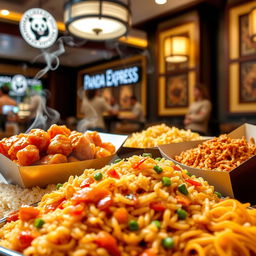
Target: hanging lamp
176, 49
97, 20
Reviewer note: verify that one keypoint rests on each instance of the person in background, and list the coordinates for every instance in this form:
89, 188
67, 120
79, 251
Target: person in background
199, 111
137, 110
93, 108
5, 99
135, 120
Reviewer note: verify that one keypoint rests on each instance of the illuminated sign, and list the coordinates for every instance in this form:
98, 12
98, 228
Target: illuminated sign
19, 84
112, 78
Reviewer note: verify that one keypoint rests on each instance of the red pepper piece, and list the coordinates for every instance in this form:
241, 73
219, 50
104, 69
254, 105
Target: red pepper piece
176, 168
193, 182
137, 165
157, 206
87, 182
113, 174
53, 206
25, 239
13, 216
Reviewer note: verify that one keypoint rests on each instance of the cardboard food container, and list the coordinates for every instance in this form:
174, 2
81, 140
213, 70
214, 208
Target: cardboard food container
238, 183
125, 152
42, 175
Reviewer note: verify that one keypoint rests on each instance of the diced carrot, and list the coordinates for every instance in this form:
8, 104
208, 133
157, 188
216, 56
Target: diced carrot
121, 215
108, 242
184, 200
28, 212
157, 206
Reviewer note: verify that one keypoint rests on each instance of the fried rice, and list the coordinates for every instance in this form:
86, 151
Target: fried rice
139, 206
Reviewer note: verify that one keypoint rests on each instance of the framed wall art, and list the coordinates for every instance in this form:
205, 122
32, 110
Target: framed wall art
241, 61
176, 80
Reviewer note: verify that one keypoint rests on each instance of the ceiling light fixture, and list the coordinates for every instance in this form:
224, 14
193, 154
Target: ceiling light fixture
176, 49
160, 1
97, 20
5, 12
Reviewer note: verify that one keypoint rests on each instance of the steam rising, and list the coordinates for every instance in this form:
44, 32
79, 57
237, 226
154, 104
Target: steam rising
45, 116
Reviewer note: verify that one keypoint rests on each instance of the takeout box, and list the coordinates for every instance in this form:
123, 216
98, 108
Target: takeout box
125, 152
42, 175
239, 183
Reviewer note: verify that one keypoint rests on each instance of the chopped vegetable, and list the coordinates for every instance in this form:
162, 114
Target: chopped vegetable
158, 159
105, 203
133, 225
137, 165
181, 199
90, 195
189, 174
193, 182
147, 155
168, 243
76, 210
28, 212
158, 169
149, 252
25, 239
86, 182
108, 242
58, 186
121, 215
166, 181
53, 206
13, 216
38, 223
182, 214
98, 176
157, 223
117, 160
183, 189
113, 174
176, 168
219, 195
157, 206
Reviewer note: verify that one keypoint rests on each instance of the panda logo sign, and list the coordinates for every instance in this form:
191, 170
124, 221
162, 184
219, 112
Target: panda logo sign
19, 84
38, 28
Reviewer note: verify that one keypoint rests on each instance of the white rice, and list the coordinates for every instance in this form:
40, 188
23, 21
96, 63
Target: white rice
13, 196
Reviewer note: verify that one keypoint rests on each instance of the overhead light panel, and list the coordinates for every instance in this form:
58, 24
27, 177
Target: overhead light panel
160, 1
97, 20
